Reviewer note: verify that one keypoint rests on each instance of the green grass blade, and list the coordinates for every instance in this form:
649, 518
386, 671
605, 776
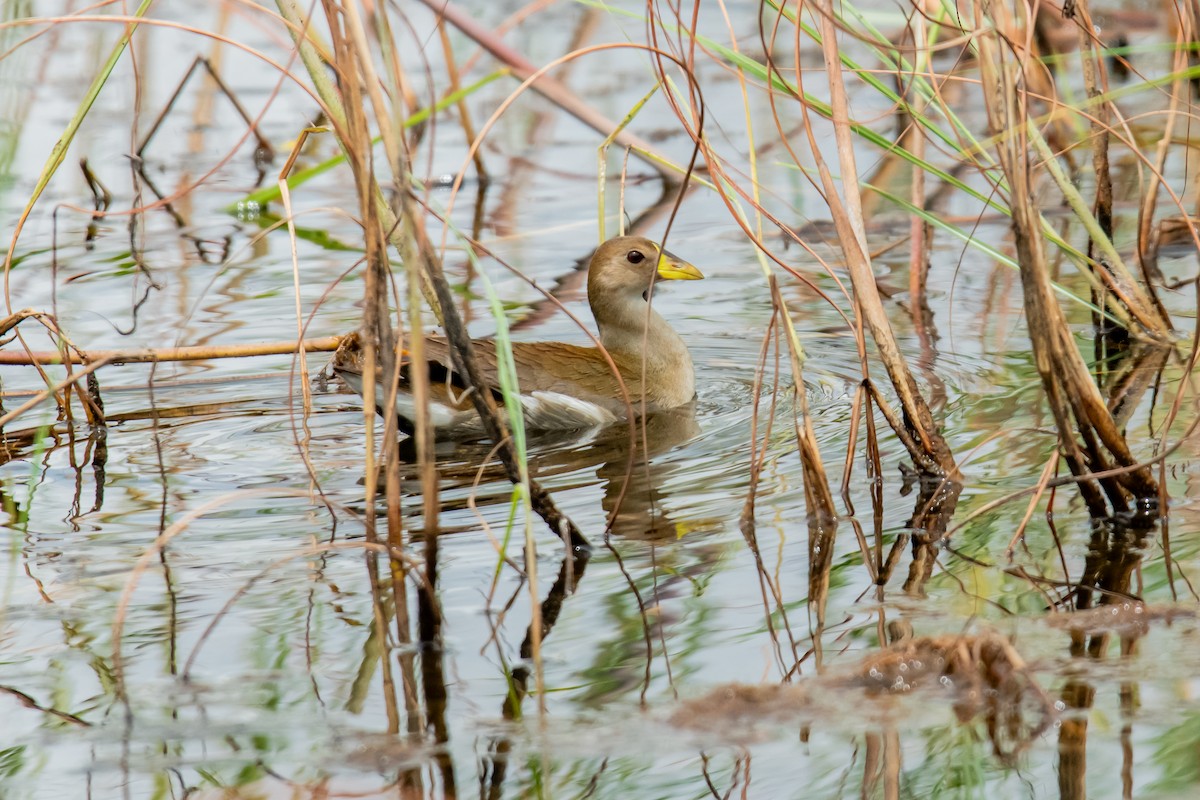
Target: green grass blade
983, 247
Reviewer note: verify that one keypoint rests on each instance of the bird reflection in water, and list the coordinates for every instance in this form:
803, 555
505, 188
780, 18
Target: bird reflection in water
634, 482
625, 461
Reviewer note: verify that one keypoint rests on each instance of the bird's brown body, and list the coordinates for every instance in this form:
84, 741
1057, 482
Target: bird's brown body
566, 386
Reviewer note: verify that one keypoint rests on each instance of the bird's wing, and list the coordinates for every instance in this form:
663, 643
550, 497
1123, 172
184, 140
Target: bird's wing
581, 372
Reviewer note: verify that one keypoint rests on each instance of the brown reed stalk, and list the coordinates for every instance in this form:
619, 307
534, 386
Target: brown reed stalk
931, 452
464, 113
818, 498
355, 137
355, 62
1088, 437
418, 253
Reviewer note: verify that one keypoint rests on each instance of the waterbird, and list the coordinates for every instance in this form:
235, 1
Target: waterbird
564, 386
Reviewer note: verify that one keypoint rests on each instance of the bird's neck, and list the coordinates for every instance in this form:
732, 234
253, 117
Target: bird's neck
629, 326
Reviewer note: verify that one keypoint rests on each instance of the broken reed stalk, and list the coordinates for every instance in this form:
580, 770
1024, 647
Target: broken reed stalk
465, 363
931, 452
1088, 437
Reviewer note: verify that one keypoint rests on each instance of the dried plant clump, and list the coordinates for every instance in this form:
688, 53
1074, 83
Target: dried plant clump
986, 675
741, 704
965, 663
983, 674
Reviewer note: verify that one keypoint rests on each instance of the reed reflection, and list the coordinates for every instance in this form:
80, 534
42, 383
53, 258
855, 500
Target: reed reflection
494, 767
1105, 604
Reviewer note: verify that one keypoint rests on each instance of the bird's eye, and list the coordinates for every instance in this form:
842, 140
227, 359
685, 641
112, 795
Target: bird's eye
635, 257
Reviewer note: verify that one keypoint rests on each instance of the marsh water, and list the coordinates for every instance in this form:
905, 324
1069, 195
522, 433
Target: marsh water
710, 646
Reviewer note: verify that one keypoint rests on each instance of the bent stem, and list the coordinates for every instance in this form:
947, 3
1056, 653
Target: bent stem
933, 454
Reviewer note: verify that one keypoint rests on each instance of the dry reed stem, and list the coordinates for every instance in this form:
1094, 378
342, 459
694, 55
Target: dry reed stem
392, 131
355, 138
415, 248
464, 113
376, 320
145, 355
932, 453
746, 521
301, 363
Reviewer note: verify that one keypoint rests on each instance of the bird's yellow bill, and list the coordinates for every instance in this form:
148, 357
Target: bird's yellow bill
674, 268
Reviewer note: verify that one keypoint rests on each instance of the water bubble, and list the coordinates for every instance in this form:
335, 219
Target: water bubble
249, 210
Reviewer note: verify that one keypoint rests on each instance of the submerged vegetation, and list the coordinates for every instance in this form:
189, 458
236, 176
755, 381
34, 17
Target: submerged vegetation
941, 449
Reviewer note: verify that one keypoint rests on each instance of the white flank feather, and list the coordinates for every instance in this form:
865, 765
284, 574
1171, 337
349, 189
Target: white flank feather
552, 411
